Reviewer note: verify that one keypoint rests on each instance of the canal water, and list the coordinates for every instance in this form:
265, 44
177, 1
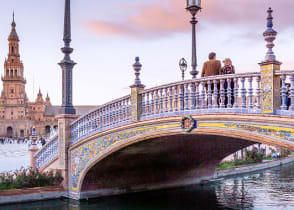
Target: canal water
270, 189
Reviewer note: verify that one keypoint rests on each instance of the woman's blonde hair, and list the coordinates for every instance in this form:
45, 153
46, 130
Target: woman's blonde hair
227, 59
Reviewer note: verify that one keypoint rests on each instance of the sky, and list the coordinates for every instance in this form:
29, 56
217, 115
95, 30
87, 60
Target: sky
107, 35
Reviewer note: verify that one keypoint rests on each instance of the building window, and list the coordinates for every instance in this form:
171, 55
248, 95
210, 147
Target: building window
11, 91
12, 50
11, 113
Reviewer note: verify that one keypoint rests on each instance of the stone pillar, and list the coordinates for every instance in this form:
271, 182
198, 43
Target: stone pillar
33, 150
270, 84
64, 141
270, 87
136, 103
136, 96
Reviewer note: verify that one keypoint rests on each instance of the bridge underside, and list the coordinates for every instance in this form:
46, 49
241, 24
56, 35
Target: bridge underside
159, 163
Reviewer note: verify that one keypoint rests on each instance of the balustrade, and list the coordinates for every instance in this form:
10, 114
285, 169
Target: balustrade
107, 116
48, 153
216, 94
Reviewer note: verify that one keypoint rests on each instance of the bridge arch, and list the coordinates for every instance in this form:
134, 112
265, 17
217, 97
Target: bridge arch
168, 129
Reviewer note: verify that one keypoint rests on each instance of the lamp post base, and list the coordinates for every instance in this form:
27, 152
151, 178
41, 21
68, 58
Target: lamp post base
33, 150
194, 74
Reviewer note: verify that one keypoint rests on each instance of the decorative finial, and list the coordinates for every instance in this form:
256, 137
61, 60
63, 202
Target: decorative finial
269, 36
137, 68
13, 22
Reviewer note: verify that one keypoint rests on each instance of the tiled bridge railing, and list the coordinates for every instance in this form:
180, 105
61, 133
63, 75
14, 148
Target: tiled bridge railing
112, 114
47, 153
204, 95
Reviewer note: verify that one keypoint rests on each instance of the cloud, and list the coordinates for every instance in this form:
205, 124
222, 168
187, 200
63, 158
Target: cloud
167, 17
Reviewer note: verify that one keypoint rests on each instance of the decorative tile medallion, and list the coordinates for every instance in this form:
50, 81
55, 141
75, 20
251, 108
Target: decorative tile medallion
273, 131
187, 123
89, 152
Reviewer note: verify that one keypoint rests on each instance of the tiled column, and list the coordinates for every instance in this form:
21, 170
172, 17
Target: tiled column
270, 87
64, 141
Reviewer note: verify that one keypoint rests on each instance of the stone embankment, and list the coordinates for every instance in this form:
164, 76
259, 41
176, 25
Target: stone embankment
32, 194
252, 168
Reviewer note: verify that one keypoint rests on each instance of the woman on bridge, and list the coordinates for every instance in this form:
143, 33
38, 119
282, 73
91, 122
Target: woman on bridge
228, 69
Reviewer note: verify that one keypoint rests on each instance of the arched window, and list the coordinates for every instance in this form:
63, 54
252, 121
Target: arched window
15, 73
11, 73
12, 50
9, 132
47, 130
7, 72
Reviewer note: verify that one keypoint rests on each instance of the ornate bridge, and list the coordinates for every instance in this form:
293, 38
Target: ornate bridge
171, 135
147, 134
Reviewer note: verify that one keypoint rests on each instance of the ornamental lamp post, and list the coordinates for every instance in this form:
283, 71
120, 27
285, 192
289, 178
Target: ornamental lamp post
183, 67
34, 136
193, 6
33, 149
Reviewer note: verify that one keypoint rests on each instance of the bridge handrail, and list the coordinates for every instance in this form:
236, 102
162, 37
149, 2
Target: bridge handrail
284, 72
52, 138
101, 107
204, 79
47, 153
111, 114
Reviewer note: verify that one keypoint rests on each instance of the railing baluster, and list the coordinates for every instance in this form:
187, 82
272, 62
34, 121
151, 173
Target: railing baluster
258, 92
120, 111
147, 105
170, 99
250, 93
152, 103
181, 97
292, 93
113, 114
236, 92
161, 100
209, 94
229, 93
283, 93
128, 108
110, 114
166, 99
203, 101
156, 102
176, 97
123, 110
197, 95
243, 93
117, 113
192, 96
222, 94
215, 94
107, 116
186, 96
143, 105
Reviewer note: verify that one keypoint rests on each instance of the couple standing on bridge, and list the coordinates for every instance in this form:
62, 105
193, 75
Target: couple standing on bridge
213, 67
